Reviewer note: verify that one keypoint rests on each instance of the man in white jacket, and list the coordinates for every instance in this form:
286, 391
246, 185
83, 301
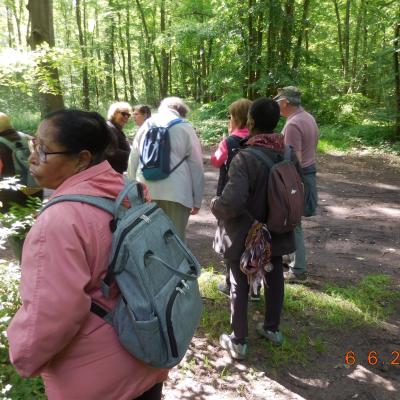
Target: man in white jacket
181, 193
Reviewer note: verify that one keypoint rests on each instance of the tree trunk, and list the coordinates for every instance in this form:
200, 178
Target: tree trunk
123, 58
42, 31
339, 29
303, 24
356, 45
132, 98
396, 66
149, 45
82, 45
10, 28
347, 42
164, 55
286, 35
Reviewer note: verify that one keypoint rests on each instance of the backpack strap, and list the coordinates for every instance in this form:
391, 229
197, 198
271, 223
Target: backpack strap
99, 202
11, 145
261, 155
174, 122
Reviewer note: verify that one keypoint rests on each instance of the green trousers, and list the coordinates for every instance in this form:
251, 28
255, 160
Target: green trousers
178, 214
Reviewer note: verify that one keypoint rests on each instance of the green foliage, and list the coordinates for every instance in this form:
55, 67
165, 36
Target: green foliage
338, 138
343, 110
19, 218
12, 386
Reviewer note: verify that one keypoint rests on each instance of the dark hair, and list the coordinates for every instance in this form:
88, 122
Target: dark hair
81, 130
265, 114
143, 109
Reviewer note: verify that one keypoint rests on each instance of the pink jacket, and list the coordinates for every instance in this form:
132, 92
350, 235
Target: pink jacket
54, 334
221, 154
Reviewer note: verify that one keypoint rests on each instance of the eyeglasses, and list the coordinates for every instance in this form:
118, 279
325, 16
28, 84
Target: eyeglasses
125, 114
36, 147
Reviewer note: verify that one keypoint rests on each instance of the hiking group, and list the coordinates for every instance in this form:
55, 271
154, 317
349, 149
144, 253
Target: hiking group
110, 302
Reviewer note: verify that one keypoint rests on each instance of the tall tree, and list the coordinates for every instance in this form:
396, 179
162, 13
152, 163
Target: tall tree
82, 44
42, 31
396, 64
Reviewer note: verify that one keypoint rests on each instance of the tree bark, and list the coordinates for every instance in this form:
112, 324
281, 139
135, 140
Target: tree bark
10, 28
286, 35
356, 45
164, 55
149, 45
347, 42
82, 44
300, 35
396, 62
132, 98
123, 58
42, 31
339, 29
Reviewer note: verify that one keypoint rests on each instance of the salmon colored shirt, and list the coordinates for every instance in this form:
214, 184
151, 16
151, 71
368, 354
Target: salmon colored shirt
54, 334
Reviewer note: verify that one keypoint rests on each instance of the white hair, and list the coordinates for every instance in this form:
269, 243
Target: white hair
117, 106
174, 103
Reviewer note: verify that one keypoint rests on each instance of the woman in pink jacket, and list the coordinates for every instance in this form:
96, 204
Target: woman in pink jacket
65, 256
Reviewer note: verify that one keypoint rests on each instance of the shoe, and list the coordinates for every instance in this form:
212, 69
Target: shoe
276, 338
291, 276
224, 289
236, 351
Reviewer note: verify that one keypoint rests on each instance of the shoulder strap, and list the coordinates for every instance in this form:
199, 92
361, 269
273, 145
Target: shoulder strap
11, 145
130, 190
99, 202
287, 155
174, 122
260, 155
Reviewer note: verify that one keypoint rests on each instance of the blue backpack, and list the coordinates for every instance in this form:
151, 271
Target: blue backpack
159, 305
156, 151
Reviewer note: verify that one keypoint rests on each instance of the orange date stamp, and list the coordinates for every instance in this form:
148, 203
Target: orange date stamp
373, 358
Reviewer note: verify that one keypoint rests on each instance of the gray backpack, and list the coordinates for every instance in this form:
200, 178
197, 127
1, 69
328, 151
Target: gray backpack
159, 306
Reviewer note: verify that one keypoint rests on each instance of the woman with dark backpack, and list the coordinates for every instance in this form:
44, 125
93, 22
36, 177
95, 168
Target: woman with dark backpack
242, 203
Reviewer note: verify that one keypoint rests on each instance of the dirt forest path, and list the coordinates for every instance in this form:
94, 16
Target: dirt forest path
355, 232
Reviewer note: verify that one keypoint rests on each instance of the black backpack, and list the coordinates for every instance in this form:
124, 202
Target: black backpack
285, 195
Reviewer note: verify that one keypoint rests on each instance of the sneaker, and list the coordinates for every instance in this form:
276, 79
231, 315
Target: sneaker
236, 351
291, 276
224, 289
276, 338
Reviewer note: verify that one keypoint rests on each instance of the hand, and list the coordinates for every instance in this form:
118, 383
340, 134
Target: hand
194, 211
146, 194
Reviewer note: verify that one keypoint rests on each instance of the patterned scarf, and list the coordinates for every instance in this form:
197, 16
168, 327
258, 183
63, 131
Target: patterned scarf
272, 141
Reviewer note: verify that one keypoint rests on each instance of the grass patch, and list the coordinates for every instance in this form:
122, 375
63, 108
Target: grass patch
367, 303
215, 317
373, 296
343, 139
370, 301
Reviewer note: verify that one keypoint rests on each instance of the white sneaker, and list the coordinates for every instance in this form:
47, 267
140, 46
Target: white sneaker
236, 351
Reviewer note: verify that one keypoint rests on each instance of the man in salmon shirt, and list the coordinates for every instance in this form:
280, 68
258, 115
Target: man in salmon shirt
300, 132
